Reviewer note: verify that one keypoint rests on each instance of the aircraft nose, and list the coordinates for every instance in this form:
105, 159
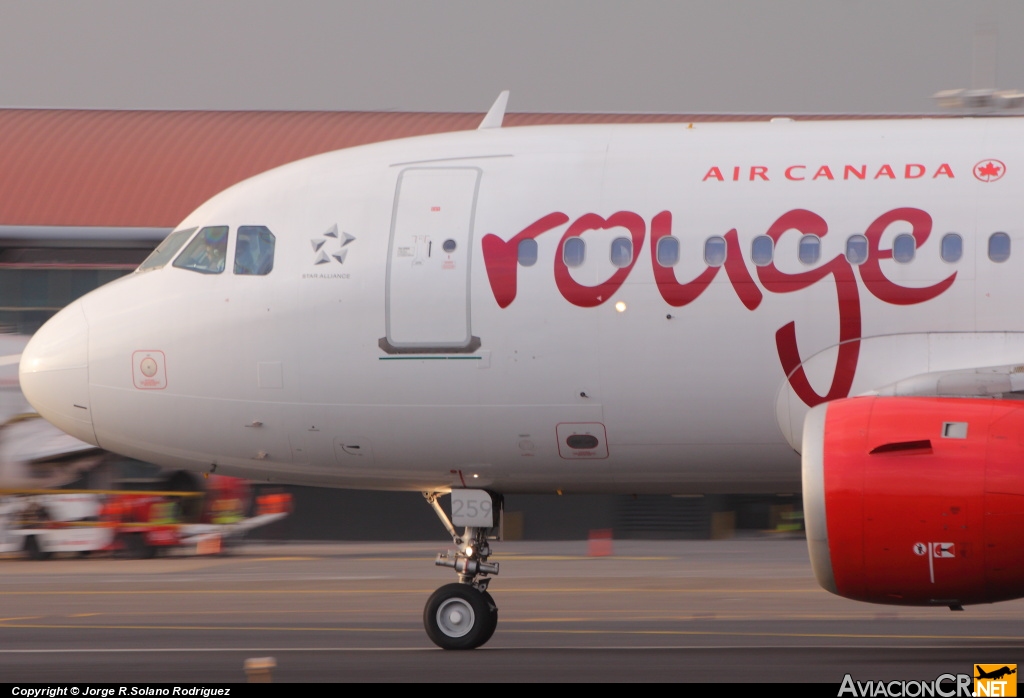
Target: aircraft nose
54, 372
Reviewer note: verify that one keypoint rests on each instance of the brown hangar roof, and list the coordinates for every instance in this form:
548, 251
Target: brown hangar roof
151, 168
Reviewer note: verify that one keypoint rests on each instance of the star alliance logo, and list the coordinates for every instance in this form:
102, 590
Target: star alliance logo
322, 250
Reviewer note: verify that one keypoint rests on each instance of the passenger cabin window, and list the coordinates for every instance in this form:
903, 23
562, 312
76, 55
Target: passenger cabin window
668, 251
714, 251
903, 248
254, 251
527, 252
952, 247
761, 250
810, 249
574, 252
622, 252
207, 251
166, 250
999, 247
856, 249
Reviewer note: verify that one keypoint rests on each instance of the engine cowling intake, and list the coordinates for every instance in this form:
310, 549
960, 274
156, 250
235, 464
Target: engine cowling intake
916, 501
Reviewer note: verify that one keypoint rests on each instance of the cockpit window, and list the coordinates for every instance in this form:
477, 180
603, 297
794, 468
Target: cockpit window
166, 250
254, 250
206, 252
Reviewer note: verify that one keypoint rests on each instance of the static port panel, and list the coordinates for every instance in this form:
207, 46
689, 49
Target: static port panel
581, 440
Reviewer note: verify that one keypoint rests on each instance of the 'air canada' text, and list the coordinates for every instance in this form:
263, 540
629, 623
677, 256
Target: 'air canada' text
814, 173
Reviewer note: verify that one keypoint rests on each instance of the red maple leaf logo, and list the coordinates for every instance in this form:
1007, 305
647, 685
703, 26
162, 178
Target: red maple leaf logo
989, 170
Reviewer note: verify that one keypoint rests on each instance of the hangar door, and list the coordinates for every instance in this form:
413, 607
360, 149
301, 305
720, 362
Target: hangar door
427, 305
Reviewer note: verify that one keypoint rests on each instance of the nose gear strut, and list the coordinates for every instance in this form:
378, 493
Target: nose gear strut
463, 615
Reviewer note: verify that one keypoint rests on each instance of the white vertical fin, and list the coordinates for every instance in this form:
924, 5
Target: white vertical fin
496, 114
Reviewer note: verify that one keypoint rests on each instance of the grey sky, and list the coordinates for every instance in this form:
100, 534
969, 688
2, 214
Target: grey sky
555, 55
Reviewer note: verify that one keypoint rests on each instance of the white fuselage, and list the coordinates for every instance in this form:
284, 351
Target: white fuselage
371, 356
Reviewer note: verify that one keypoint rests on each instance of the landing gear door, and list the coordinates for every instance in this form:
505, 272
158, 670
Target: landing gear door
427, 307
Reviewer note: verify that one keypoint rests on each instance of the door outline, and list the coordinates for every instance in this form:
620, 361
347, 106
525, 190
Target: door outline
471, 343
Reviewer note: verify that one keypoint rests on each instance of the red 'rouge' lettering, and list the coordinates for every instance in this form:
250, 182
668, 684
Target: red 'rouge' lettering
871, 270
589, 296
501, 260
677, 294
501, 257
776, 281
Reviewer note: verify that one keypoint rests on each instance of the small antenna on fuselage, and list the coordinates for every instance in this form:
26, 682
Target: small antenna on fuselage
496, 114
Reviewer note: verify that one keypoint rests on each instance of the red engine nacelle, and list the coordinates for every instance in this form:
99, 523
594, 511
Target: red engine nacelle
916, 501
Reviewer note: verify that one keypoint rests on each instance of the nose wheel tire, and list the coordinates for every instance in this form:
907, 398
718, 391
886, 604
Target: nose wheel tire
460, 617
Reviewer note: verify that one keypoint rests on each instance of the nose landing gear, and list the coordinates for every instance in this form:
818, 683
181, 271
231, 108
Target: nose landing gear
463, 615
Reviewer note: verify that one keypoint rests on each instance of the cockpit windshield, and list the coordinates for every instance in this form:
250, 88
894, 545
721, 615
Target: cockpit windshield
207, 251
166, 250
254, 251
